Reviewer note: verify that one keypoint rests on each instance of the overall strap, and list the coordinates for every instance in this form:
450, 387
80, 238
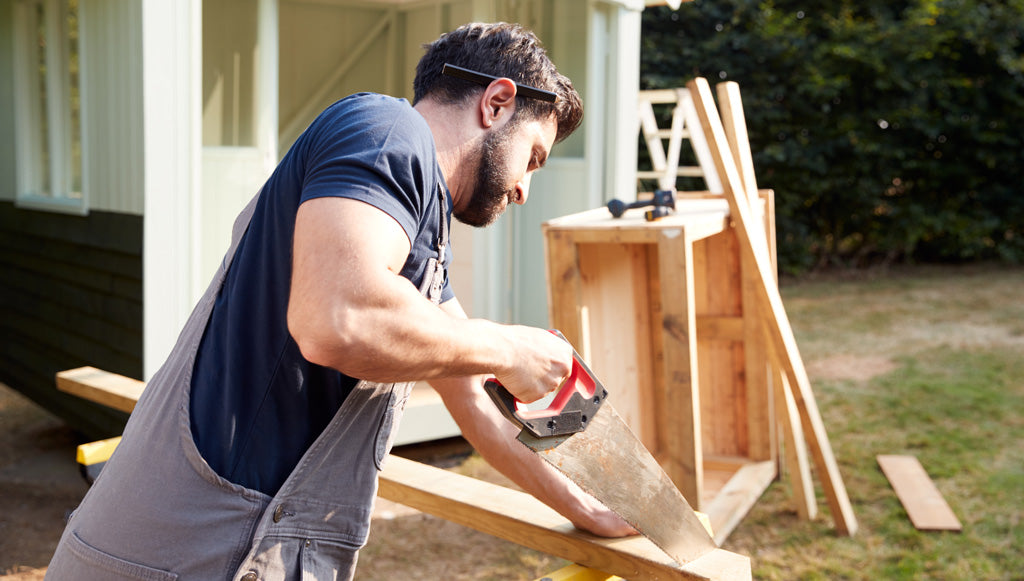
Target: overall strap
434, 278
442, 241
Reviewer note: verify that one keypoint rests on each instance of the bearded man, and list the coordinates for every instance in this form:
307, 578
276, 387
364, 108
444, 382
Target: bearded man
253, 453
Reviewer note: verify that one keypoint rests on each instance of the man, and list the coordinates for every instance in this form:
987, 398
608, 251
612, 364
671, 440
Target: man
253, 454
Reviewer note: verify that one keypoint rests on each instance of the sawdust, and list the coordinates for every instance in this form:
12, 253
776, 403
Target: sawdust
850, 367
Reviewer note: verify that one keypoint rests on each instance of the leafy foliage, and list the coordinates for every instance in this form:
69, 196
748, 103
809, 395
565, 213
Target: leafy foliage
889, 130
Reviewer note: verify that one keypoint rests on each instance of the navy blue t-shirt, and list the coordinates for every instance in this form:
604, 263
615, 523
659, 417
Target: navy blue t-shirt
256, 403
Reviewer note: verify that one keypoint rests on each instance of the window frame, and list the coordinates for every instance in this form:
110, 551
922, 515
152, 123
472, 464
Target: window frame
45, 163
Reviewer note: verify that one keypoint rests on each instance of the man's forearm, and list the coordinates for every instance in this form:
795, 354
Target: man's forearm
494, 438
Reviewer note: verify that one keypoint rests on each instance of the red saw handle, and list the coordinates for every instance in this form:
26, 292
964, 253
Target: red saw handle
575, 403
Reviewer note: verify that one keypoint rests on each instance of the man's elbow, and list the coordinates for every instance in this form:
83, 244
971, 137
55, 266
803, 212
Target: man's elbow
321, 340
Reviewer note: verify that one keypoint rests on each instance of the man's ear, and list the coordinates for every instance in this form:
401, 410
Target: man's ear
498, 102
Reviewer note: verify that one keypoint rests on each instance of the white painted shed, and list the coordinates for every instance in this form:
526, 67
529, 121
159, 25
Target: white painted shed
187, 105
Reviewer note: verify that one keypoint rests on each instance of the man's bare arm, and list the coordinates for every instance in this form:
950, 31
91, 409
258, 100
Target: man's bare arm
350, 309
494, 438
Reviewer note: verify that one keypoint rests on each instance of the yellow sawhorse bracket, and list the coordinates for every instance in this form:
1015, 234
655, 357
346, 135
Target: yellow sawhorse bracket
92, 457
579, 573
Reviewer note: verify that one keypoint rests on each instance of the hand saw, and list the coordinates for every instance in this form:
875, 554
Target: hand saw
582, 436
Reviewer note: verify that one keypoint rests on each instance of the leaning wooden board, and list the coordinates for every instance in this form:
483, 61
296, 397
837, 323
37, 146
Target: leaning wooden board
753, 243
925, 506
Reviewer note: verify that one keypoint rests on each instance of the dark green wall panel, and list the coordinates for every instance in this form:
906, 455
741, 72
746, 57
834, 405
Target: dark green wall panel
70, 295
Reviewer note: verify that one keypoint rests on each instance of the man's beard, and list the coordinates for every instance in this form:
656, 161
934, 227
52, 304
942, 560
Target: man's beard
490, 190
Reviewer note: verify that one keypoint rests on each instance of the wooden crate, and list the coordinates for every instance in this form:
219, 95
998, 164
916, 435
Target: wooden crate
662, 313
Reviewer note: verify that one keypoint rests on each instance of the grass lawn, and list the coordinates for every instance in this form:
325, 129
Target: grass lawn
923, 361
930, 363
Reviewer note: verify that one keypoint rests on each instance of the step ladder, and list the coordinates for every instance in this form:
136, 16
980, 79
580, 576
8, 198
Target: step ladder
684, 125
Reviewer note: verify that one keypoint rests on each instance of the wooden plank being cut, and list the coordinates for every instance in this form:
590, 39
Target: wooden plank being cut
520, 518
505, 513
920, 497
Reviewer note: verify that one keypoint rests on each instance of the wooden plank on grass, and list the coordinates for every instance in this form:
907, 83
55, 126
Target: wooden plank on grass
922, 500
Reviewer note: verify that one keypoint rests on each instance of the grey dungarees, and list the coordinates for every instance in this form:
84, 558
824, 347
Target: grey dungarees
159, 512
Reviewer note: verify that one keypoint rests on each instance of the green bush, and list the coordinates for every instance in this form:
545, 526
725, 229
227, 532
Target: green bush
889, 130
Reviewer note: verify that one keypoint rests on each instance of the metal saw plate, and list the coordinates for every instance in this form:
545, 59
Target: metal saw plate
610, 463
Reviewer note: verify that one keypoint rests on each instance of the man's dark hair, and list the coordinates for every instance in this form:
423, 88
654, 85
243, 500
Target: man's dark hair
501, 50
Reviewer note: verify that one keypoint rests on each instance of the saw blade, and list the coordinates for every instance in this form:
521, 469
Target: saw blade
611, 464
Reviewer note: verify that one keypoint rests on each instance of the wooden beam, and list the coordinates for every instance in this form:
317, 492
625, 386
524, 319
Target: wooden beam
735, 126
698, 141
794, 447
109, 389
682, 443
754, 246
786, 413
520, 518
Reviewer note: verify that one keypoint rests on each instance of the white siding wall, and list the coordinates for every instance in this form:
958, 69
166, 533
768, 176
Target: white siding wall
112, 104
335, 48
329, 51
112, 114
7, 155
111, 44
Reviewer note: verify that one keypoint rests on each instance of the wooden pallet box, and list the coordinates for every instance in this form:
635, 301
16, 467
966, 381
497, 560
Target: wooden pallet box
661, 312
